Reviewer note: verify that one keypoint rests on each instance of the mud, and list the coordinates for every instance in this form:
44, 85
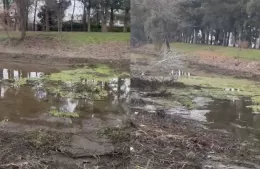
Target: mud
191, 124
32, 136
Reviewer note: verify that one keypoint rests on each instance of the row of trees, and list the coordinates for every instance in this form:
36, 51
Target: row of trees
101, 11
216, 22
52, 12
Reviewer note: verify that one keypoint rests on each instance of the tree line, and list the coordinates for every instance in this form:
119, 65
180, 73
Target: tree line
216, 22
52, 13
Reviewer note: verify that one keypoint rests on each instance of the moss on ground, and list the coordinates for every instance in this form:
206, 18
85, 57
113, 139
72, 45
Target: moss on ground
255, 108
219, 88
82, 82
99, 73
57, 113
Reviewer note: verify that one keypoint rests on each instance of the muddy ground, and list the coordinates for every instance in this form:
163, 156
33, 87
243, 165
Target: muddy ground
59, 142
200, 62
164, 140
149, 138
53, 47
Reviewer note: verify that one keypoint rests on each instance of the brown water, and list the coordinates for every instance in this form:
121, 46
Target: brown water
30, 105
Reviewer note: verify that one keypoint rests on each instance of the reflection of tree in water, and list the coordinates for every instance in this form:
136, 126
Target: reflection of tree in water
21, 103
235, 116
26, 101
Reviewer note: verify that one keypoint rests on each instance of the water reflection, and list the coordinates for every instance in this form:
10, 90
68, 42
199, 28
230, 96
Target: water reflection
235, 117
31, 102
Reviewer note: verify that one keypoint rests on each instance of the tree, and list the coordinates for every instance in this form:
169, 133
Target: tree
56, 13
34, 16
126, 8
22, 6
72, 16
104, 5
160, 19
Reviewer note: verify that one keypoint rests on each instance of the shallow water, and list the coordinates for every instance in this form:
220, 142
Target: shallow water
224, 114
31, 104
235, 117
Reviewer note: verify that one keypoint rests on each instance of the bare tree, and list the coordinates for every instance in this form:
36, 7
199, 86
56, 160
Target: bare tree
159, 18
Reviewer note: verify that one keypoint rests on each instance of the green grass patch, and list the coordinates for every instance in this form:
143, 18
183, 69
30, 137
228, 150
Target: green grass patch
73, 37
249, 54
98, 73
255, 108
221, 84
221, 88
57, 113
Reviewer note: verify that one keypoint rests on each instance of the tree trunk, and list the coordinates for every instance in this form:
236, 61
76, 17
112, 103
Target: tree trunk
111, 23
207, 38
259, 40
72, 16
234, 36
84, 17
217, 37
47, 22
195, 36
211, 38
22, 17
34, 17
104, 10
228, 38
203, 36
89, 21
126, 20
224, 38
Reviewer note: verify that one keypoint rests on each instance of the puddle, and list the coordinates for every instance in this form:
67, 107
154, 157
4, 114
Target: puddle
206, 99
28, 97
235, 117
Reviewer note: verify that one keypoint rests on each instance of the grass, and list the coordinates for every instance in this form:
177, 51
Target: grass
57, 113
249, 54
219, 88
74, 37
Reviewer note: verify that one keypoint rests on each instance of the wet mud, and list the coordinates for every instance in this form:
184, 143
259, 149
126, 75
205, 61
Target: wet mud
201, 119
46, 121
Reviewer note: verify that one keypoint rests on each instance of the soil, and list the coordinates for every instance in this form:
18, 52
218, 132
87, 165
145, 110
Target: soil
54, 48
206, 61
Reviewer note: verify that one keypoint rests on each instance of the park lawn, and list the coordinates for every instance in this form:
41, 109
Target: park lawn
248, 54
74, 37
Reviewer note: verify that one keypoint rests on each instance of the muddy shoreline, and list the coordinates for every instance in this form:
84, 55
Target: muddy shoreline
32, 138
167, 136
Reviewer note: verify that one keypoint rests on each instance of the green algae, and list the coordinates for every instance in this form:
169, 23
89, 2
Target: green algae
256, 100
255, 108
223, 88
81, 82
217, 88
57, 113
98, 73
245, 87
